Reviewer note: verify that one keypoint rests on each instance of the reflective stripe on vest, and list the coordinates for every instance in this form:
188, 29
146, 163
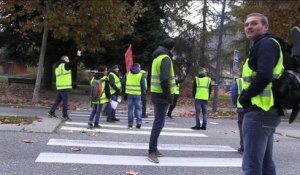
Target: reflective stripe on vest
265, 99
177, 89
239, 82
63, 77
202, 88
117, 83
155, 75
133, 83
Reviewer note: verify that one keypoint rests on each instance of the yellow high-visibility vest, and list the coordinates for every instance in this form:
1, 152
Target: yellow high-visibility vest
155, 75
202, 88
63, 77
133, 84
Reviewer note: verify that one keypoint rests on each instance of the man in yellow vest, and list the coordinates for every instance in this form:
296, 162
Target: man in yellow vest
115, 91
265, 62
99, 95
201, 94
63, 84
162, 90
236, 91
134, 83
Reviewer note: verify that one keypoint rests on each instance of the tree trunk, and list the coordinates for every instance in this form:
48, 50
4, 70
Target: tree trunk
203, 35
218, 67
40, 69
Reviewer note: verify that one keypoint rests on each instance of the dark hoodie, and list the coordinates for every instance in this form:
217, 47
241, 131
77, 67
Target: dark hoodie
263, 57
135, 70
165, 96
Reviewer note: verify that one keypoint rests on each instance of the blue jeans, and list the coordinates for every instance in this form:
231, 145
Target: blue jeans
201, 105
96, 111
258, 130
160, 111
111, 113
62, 95
134, 101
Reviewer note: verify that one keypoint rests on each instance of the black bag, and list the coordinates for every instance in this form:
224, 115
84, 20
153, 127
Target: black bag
286, 89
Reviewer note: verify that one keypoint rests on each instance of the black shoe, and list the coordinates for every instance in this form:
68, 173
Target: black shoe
170, 117
52, 114
66, 118
110, 120
145, 116
196, 127
116, 119
97, 126
203, 127
90, 126
129, 126
138, 126
241, 150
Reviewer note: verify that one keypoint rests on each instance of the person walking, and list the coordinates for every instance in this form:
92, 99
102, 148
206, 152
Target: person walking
162, 88
261, 117
134, 83
201, 93
115, 91
236, 91
99, 95
63, 84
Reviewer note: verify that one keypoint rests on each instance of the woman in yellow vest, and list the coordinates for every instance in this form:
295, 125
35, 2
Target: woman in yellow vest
134, 83
63, 84
201, 94
99, 95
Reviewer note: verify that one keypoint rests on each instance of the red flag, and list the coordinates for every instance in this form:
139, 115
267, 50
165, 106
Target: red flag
128, 58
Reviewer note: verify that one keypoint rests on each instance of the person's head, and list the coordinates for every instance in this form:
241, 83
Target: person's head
168, 43
256, 25
136, 65
115, 68
202, 71
65, 59
102, 69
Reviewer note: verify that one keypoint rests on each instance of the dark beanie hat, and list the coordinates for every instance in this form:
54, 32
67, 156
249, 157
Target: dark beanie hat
168, 43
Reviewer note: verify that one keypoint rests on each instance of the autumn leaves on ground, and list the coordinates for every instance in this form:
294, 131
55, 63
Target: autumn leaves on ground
21, 95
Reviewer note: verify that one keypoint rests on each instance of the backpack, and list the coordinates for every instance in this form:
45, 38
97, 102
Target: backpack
286, 89
95, 92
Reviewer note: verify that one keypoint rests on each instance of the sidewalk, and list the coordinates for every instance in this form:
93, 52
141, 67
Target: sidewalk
49, 125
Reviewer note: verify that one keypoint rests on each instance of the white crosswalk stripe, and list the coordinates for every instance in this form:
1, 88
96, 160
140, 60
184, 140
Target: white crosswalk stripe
127, 148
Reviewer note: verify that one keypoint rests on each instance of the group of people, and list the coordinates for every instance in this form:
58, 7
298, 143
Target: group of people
258, 113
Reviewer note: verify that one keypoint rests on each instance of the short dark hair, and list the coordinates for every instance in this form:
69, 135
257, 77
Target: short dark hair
168, 43
102, 68
264, 20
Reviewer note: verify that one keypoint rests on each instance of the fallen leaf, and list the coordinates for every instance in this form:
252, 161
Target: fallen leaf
132, 173
27, 141
75, 149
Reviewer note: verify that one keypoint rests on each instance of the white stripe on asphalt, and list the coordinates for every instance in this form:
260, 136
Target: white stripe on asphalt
121, 116
213, 123
131, 145
122, 126
135, 131
137, 160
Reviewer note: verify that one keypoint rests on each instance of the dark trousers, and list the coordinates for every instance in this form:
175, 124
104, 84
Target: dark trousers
160, 110
171, 108
144, 105
240, 124
62, 95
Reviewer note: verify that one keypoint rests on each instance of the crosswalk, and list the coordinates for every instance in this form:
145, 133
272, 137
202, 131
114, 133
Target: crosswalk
171, 130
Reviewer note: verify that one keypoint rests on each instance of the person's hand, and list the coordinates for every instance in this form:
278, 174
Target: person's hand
78, 53
244, 100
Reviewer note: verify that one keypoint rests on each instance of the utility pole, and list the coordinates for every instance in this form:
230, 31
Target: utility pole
218, 66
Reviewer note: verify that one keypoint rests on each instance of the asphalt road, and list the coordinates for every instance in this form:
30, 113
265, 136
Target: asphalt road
117, 150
